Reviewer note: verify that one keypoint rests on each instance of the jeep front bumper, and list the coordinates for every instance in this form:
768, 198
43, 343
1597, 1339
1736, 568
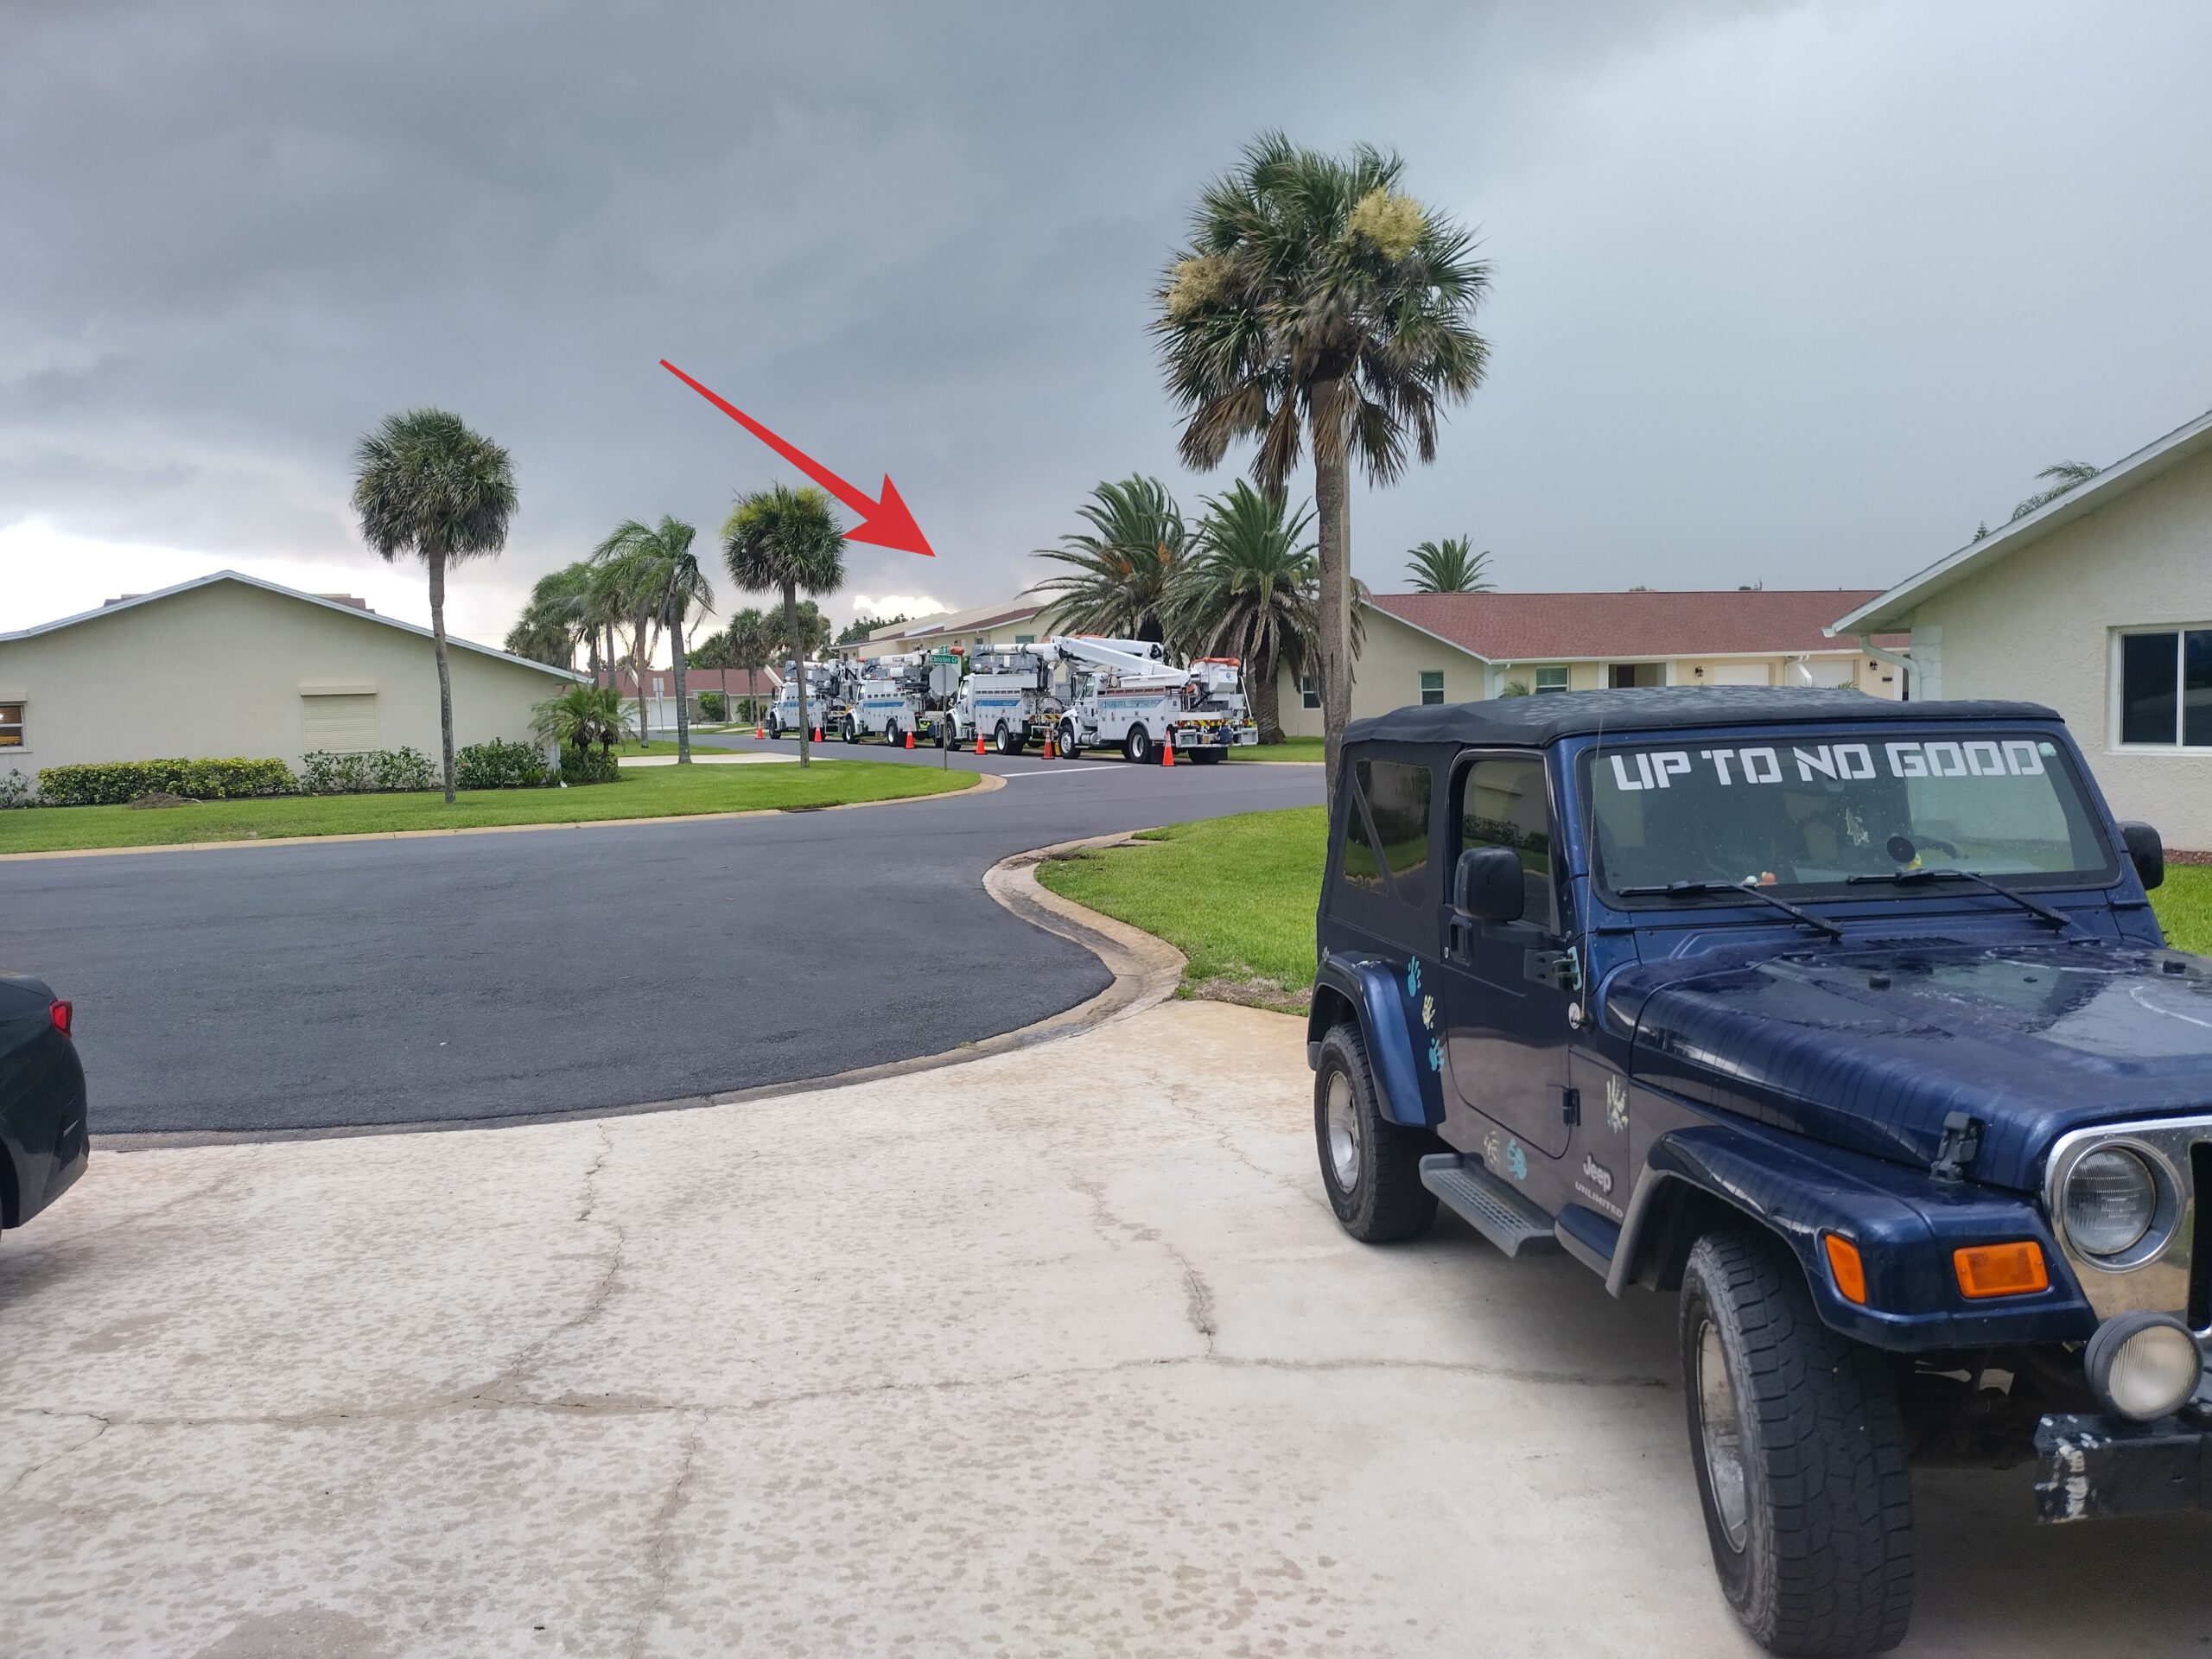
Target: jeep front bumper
2090, 1467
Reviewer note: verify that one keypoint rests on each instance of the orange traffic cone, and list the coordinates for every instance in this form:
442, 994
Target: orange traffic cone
759, 732
910, 739
1049, 752
979, 742
1167, 751
818, 734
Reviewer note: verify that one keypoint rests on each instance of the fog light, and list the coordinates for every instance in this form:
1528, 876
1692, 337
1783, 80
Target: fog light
2142, 1366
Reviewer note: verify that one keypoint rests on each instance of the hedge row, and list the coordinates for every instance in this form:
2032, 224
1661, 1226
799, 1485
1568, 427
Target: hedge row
376, 773
495, 765
114, 783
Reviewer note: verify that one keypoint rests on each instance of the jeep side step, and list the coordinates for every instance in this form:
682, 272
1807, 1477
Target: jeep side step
1488, 1204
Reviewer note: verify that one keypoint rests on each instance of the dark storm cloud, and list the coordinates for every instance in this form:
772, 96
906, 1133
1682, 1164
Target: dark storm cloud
917, 240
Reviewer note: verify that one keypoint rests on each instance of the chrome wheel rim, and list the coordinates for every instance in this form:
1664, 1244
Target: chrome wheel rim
1344, 1133
1722, 1434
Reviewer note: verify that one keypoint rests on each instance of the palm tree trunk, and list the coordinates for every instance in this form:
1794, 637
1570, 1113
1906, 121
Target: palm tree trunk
640, 649
437, 562
1333, 509
791, 642
1259, 687
682, 711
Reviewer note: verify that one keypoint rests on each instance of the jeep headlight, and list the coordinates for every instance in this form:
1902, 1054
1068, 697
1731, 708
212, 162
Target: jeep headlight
2110, 1201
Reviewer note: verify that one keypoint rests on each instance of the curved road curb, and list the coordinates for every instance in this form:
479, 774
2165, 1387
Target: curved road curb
1147, 972
987, 781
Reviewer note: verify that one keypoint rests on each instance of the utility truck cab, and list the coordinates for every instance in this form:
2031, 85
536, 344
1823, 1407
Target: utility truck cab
1848, 1020
1125, 693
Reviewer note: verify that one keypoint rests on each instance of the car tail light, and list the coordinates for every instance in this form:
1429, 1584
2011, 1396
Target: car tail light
64, 1015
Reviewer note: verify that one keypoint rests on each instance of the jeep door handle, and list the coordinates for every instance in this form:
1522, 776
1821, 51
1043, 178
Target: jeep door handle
1459, 938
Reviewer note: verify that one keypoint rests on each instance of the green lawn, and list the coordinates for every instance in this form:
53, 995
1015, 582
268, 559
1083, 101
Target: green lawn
644, 792
1235, 895
2184, 907
1291, 748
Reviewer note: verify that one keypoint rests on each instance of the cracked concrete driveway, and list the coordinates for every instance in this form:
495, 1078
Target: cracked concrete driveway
1058, 1353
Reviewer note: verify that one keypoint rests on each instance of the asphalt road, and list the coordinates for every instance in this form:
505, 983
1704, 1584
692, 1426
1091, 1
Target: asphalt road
485, 976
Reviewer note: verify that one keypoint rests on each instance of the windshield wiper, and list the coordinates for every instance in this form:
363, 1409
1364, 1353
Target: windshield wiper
1908, 877
1694, 889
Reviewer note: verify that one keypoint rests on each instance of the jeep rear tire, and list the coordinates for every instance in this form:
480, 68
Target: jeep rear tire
1800, 1451
1369, 1166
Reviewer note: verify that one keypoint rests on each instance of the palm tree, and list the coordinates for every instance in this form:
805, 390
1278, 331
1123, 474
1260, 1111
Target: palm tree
552, 626
1319, 303
580, 716
627, 579
1448, 567
660, 581
780, 537
2056, 478
1123, 565
425, 484
1249, 592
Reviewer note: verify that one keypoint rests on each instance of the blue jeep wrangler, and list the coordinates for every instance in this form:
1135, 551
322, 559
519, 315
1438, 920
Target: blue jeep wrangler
1848, 1020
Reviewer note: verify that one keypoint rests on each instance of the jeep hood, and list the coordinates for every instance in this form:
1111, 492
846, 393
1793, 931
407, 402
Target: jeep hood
1870, 1048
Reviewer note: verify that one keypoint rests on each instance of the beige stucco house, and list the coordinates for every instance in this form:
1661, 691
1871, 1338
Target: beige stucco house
1016, 621
229, 665
1465, 647
2099, 604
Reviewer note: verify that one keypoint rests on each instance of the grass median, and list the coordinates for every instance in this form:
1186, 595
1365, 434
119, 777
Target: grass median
643, 793
1236, 896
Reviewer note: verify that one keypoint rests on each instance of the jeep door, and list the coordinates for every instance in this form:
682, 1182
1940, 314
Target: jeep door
1506, 998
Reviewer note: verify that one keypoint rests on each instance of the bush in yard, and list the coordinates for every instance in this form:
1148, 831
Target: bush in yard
15, 791
498, 765
714, 705
403, 768
589, 766
118, 782
368, 773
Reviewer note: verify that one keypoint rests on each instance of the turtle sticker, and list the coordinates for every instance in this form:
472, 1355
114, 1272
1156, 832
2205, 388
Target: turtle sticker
1517, 1161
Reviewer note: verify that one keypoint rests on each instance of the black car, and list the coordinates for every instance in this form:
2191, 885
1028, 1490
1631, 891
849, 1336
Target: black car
1850, 1021
43, 1142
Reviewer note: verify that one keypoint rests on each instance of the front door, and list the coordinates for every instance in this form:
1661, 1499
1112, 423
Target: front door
1506, 988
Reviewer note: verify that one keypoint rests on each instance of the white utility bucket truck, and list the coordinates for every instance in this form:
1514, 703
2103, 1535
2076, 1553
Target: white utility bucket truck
829, 701
910, 695
1125, 693
1006, 699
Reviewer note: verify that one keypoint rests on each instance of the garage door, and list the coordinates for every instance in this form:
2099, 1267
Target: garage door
340, 722
1737, 674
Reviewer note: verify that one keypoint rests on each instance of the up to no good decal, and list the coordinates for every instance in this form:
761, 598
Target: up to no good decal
1943, 758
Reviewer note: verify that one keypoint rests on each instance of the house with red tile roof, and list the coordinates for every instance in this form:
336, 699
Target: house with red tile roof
1463, 647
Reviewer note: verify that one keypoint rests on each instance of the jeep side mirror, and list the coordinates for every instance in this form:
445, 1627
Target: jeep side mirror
1488, 885
2147, 852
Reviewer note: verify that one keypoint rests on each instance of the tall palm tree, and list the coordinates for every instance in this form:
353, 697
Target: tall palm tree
1249, 592
661, 582
787, 539
551, 625
2056, 478
1449, 567
1123, 564
1319, 303
425, 484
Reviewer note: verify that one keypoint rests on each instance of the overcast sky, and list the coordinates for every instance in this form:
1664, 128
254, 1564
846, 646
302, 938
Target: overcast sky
1783, 293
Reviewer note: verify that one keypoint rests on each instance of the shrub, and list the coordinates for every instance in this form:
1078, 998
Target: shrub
714, 705
589, 766
498, 765
116, 783
403, 768
369, 773
15, 791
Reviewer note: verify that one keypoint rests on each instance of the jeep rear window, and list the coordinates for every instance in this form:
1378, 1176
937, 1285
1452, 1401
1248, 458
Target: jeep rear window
1397, 801
1787, 813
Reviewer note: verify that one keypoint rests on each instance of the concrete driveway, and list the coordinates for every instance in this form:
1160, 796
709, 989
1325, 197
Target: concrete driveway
1059, 1352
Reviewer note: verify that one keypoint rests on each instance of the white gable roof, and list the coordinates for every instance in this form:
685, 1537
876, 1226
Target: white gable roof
137, 600
1885, 612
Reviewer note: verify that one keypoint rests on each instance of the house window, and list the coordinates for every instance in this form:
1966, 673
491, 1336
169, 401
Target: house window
1025, 638
1309, 692
339, 723
11, 725
1552, 679
1431, 685
2165, 688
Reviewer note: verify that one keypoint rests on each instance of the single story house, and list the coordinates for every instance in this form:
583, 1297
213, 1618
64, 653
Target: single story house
1016, 621
1464, 647
736, 684
2100, 604
229, 665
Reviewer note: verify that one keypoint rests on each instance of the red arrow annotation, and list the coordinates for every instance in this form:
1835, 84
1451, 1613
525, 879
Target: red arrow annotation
883, 523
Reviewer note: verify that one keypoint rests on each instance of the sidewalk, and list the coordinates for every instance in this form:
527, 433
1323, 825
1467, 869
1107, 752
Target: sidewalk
1059, 1352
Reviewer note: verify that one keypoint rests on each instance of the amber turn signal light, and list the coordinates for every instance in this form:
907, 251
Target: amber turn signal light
2014, 1269
1844, 1267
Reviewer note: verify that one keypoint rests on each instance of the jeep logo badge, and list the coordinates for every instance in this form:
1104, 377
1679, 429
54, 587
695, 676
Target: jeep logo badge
1598, 1175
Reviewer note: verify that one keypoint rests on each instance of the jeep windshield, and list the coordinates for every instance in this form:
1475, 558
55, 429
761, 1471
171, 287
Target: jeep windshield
1787, 813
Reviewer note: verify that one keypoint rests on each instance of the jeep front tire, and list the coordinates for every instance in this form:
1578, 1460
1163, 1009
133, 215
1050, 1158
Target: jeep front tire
1370, 1166
1800, 1453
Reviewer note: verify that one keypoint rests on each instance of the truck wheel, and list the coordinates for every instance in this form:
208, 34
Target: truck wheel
891, 734
1064, 741
1005, 741
1137, 745
1800, 1451
1370, 1166
949, 734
